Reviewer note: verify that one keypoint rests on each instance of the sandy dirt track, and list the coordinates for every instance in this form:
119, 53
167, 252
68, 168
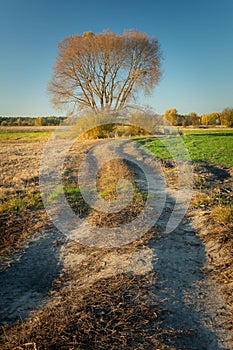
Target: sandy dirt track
191, 301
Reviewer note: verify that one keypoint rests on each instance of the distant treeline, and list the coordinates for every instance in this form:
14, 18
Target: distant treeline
31, 121
224, 118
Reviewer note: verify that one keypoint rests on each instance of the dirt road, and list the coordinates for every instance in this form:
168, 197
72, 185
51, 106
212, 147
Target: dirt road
194, 311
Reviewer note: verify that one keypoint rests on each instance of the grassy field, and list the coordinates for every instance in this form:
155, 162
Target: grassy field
211, 146
214, 146
24, 135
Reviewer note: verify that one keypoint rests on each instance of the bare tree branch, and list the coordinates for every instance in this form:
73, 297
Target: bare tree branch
105, 70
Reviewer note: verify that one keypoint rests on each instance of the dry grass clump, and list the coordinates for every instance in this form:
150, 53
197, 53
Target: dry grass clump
114, 313
201, 200
214, 197
222, 215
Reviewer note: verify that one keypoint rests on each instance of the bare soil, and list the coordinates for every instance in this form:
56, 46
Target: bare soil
162, 291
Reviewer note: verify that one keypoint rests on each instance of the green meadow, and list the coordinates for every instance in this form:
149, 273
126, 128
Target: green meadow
214, 147
23, 136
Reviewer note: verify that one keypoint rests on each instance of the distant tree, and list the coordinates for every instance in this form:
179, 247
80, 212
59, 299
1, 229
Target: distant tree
24, 122
103, 71
172, 116
211, 119
30, 121
227, 117
18, 121
39, 121
12, 121
185, 120
194, 119
53, 120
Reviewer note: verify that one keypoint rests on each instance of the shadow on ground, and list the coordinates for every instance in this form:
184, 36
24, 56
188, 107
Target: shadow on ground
25, 285
188, 298
193, 311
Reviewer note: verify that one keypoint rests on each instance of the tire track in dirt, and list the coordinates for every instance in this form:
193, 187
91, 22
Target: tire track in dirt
192, 303
194, 310
195, 313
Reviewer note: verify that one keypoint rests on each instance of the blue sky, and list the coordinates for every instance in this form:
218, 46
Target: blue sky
196, 38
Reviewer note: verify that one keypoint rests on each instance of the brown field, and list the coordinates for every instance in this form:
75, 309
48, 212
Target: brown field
59, 294
28, 128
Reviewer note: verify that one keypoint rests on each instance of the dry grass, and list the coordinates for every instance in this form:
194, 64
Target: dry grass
28, 128
201, 200
218, 239
170, 172
213, 214
21, 209
117, 312
114, 313
109, 175
17, 227
222, 215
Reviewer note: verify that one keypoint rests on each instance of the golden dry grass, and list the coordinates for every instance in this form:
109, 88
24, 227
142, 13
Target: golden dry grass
118, 312
114, 313
222, 215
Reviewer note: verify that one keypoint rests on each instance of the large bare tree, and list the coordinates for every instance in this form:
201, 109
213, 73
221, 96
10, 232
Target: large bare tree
103, 71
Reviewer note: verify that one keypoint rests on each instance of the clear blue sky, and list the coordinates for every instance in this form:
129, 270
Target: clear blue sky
196, 37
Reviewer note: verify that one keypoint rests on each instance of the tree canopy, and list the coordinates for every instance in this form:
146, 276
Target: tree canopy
104, 71
227, 117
